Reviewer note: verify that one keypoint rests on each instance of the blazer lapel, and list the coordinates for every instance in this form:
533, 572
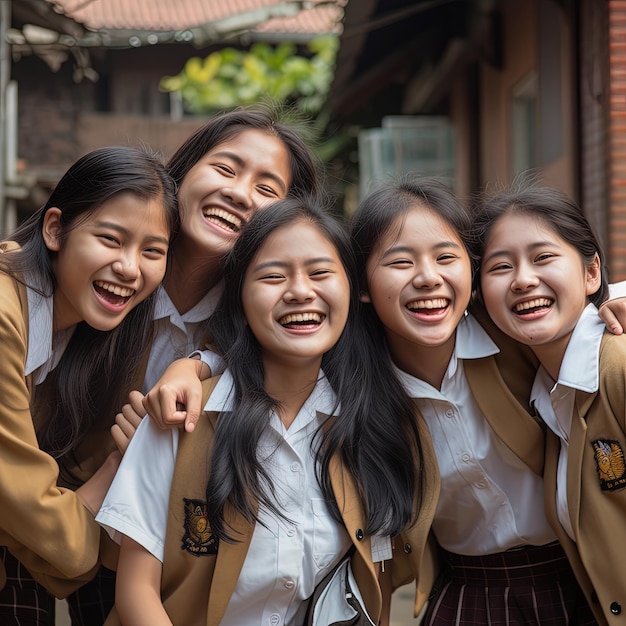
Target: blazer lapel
511, 422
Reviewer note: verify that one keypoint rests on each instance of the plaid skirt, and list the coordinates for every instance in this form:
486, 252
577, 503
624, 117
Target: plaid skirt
90, 604
23, 601
533, 585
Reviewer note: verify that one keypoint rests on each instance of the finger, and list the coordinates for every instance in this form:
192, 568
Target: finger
138, 411
120, 438
194, 407
611, 321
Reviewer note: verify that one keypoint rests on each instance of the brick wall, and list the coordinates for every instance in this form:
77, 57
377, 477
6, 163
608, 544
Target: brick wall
617, 138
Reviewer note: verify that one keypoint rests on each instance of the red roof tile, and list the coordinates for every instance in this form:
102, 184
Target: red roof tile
162, 15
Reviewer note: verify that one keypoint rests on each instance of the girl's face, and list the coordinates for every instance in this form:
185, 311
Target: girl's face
419, 280
535, 284
227, 186
296, 295
107, 264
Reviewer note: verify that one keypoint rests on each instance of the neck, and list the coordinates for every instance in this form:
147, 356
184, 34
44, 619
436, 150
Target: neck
290, 385
551, 357
189, 278
428, 363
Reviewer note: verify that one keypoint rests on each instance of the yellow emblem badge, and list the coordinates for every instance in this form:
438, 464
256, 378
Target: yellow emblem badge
610, 464
198, 538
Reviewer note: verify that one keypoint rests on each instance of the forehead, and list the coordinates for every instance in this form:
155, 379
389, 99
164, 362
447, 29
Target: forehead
301, 240
419, 225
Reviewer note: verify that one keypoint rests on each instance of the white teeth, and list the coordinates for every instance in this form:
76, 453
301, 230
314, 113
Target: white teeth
532, 304
435, 303
225, 216
125, 292
301, 317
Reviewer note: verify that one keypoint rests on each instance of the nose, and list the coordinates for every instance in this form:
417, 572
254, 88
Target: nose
126, 266
300, 289
427, 276
524, 278
239, 193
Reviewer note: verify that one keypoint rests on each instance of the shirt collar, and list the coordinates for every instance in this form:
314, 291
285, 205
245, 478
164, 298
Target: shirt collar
471, 342
45, 347
583, 347
165, 308
321, 400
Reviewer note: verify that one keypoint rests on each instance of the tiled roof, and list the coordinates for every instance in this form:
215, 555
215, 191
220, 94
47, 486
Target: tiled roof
166, 15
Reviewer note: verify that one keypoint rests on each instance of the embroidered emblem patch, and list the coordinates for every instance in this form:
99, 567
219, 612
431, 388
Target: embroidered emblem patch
198, 539
610, 464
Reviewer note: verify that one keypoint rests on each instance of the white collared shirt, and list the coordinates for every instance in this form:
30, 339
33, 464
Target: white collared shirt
285, 559
490, 500
176, 335
555, 402
45, 347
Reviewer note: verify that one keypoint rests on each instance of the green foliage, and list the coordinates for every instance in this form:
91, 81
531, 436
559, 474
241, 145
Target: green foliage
229, 77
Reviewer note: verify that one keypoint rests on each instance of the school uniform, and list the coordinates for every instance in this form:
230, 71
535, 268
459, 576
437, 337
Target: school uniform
45, 527
246, 582
483, 524
585, 475
176, 335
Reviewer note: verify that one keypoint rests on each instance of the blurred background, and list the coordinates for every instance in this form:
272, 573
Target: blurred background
473, 92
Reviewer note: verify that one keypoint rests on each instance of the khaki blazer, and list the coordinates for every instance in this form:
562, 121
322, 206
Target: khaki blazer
499, 385
196, 590
45, 526
596, 486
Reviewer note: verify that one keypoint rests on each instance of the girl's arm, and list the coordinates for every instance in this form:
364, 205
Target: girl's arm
180, 386
45, 526
92, 492
138, 587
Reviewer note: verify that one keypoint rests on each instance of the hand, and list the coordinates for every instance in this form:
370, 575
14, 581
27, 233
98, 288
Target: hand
128, 420
613, 314
176, 398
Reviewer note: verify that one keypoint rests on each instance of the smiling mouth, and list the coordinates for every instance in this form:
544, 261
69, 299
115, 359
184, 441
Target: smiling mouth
223, 218
113, 293
532, 306
432, 305
294, 320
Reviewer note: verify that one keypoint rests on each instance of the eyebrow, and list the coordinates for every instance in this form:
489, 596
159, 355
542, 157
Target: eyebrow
240, 162
127, 233
532, 247
283, 264
408, 250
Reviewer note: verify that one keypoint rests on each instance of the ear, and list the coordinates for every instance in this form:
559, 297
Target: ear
51, 229
364, 296
594, 275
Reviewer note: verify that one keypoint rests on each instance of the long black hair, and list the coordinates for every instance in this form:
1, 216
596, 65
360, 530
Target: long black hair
93, 377
374, 434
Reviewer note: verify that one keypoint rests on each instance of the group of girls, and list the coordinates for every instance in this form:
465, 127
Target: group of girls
362, 401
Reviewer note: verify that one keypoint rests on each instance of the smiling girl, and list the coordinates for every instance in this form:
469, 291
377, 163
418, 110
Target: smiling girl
299, 456
542, 278
234, 165
74, 313
482, 524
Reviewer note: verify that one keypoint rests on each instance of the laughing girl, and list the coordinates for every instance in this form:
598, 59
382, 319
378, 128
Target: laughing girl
542, 278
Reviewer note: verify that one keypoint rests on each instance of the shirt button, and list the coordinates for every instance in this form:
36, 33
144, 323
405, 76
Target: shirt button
295, 467
466, 457
616, 608
449, 413
481, 484
359, 534
289, 584
291, 532
274, 619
